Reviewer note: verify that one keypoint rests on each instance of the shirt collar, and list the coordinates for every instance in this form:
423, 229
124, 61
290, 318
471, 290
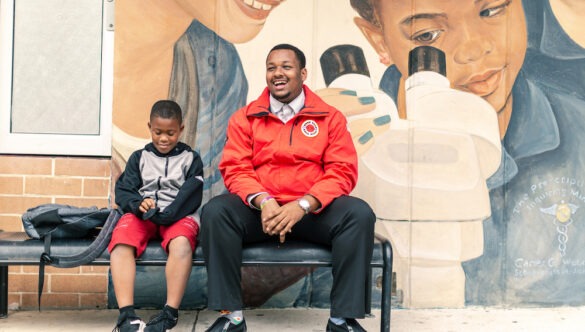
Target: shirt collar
533, 130
296, 104
554, 41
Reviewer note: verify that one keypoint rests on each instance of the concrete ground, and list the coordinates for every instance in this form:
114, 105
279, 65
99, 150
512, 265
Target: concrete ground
314, 320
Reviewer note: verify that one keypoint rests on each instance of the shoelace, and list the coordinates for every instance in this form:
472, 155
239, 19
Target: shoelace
162, 316
136, 321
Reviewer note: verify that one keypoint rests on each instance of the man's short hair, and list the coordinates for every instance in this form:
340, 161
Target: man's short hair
167, 109
299, 54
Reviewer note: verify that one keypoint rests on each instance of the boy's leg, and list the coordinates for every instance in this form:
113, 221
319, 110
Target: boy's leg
129, 239
178, 269
123, 269
179, 241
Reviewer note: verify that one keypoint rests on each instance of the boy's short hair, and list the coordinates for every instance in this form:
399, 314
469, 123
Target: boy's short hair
366, 9
300, 55
167, 109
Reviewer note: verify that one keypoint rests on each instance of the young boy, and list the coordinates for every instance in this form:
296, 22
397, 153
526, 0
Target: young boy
533, 196
159, 191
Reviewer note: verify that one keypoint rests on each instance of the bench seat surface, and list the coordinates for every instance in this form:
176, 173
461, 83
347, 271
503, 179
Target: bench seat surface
16, 248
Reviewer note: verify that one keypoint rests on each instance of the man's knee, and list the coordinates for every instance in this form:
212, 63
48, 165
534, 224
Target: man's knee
219, 215
215, 209
357, 208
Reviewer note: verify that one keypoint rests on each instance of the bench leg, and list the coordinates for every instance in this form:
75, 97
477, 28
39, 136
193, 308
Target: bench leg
3, 291
369, 292
386, 286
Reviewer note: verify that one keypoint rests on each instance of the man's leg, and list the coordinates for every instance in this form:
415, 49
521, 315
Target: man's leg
347, 224
227, 223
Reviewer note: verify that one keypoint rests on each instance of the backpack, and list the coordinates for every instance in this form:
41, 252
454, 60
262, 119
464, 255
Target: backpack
57, 221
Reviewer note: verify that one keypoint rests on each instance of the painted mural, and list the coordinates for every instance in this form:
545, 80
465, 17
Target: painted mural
476, 176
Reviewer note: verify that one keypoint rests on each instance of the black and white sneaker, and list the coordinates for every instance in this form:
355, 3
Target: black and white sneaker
350, 325
224, 324
129, 324
163, 322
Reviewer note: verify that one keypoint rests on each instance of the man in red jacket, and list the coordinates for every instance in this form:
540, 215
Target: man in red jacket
289, 164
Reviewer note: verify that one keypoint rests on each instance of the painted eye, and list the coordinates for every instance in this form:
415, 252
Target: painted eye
427, 37
494, 11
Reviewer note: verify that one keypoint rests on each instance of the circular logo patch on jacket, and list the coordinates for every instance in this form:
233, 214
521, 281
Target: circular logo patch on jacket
310, 128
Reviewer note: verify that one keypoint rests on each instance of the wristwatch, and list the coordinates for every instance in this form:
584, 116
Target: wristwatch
305, 205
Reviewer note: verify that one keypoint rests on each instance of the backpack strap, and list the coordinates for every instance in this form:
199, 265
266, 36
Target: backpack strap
99, 244
45, 259
82, 258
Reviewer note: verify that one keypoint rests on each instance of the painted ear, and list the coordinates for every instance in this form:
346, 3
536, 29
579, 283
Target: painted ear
375, 37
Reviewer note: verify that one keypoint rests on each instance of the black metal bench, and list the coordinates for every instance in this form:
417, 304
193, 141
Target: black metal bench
16, 249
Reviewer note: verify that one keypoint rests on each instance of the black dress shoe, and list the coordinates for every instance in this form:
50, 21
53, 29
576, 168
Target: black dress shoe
350, 325
224, 324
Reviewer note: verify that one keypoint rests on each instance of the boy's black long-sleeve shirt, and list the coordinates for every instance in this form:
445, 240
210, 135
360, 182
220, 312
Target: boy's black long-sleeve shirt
173, 180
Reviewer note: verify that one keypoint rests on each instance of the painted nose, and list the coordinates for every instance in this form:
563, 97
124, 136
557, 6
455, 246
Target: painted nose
473, 47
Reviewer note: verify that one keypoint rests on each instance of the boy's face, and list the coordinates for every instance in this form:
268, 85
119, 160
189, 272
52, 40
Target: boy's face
165, 133
484, 40
284, 75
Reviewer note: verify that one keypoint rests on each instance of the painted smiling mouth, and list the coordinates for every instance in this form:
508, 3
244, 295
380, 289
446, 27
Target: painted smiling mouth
258, 5
484, 84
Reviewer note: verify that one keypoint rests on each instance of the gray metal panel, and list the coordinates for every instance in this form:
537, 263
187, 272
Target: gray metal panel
57, 66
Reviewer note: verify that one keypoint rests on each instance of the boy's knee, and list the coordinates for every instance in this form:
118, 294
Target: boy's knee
180, 247
121, 251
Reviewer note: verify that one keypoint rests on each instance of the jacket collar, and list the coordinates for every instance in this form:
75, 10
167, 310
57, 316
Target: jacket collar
180, 147
261, 106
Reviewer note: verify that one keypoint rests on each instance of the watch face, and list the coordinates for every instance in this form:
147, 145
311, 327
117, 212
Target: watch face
305, 205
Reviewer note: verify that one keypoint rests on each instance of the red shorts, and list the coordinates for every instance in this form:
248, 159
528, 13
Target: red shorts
136, 232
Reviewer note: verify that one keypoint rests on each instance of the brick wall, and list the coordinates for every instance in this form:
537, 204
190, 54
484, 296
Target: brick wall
27, 181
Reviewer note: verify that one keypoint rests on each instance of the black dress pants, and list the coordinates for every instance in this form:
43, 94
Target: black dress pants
346, 225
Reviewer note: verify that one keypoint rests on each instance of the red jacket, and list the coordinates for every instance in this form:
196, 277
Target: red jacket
313, 153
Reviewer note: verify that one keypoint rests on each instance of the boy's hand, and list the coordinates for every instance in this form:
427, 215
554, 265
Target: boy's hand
147, 204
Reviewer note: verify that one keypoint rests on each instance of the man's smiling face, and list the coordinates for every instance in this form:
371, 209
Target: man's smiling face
284, 75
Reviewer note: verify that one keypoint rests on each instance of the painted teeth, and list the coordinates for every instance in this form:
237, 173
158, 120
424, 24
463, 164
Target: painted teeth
257, 5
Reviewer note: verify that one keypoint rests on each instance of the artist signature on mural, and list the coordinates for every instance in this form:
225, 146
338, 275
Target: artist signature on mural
551, 266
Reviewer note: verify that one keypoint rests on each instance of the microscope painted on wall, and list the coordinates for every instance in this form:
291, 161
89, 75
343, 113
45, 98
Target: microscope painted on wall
424, 175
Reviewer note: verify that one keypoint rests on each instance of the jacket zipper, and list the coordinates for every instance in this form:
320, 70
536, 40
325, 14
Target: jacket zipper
159, 179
